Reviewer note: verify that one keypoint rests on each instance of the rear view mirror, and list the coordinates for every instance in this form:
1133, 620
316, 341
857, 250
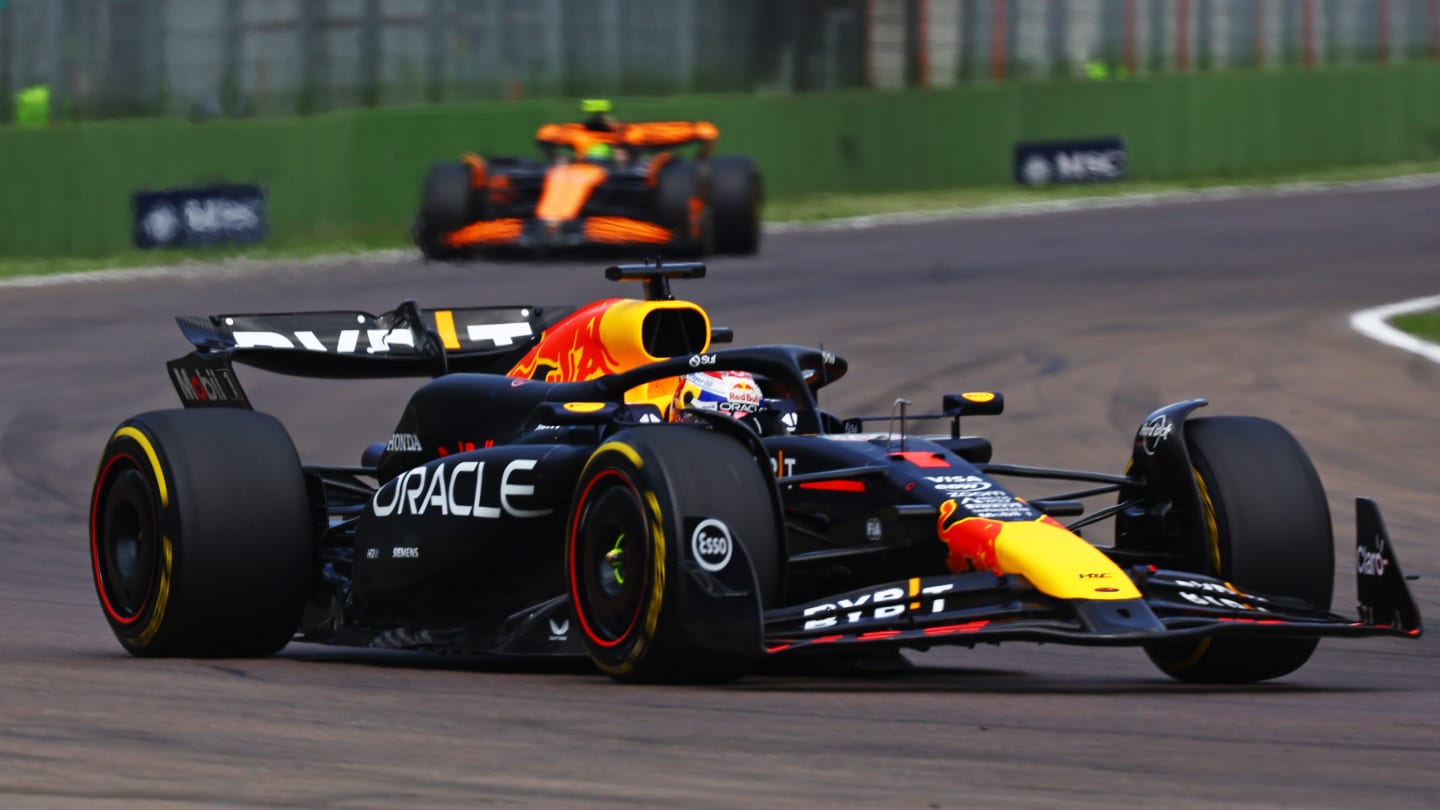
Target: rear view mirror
973, 403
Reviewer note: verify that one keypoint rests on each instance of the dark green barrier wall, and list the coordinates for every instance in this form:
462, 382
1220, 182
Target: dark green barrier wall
67, 191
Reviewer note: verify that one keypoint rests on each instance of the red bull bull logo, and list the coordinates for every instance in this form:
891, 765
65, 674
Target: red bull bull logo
572, 351
971, 540
744, 395
1051, 557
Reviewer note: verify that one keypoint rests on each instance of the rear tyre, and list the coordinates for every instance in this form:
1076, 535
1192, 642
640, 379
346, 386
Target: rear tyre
737, 194
201, 534
623, 547
447, 204
1269, 532
680, 206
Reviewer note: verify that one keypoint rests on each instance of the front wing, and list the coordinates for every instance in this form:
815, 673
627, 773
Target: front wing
536, 234
977, 607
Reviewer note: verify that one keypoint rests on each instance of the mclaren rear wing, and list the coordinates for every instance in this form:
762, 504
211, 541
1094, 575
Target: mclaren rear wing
405, 342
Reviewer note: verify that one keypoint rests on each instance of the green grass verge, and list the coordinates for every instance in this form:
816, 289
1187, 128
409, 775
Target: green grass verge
1425, 325
333, 243
833, 206
809, 208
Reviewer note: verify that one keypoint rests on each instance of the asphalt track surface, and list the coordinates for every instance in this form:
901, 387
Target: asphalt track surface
1085, 320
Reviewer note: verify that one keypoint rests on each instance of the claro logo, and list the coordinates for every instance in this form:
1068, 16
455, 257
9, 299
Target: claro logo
1371, 563
460, 489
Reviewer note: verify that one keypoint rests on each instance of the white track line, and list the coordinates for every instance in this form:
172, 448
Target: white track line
245, 266
1404, 182
197, 269
1374, 324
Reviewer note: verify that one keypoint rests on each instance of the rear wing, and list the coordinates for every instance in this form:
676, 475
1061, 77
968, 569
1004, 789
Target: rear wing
405, 342
642, 134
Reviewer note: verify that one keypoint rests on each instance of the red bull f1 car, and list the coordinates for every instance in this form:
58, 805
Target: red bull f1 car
630, 187
612, 482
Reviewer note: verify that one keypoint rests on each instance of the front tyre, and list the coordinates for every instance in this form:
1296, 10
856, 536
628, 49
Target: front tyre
1268, 532
200, 534
448, 202
680, 206
623, 552
737, 193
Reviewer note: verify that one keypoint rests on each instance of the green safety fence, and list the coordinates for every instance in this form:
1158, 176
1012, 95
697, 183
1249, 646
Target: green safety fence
65, 190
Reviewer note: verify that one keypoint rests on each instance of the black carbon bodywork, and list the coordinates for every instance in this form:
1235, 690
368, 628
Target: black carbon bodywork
451, 534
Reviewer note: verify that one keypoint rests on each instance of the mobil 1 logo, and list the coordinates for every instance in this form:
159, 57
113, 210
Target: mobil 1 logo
1046, 163
204, 382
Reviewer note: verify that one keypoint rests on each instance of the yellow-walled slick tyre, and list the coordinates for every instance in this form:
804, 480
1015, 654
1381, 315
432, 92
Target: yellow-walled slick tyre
1269, 532
201, 534
625, 555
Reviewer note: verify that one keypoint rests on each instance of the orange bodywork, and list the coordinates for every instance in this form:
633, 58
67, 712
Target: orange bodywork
501, 189
477, 169
668, 133
487, 232
620, 230
649, 133
567, 188
652, 175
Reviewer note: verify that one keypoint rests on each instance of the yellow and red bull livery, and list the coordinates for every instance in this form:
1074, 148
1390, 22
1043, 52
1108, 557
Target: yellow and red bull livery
602, 481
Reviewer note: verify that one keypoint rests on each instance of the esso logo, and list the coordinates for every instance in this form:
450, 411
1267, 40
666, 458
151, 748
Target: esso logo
711, 545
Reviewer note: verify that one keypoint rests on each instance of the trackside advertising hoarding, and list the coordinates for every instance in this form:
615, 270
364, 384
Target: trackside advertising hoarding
199, 217
1047, 163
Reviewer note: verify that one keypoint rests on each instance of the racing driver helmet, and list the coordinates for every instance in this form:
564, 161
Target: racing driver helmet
734, 393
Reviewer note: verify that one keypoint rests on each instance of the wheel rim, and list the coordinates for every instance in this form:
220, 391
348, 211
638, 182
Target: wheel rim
611, 558
126, 540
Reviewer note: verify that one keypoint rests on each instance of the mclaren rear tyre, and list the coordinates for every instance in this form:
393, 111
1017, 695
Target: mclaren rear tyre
680, 206
201, 534
737, 193
624, 555
1268, 532
447, 204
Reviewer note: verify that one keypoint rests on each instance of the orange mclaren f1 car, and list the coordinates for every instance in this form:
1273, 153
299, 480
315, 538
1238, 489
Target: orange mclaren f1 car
639, 185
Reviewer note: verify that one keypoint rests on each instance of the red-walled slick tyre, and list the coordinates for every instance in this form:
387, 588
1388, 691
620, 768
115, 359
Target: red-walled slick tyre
201, 534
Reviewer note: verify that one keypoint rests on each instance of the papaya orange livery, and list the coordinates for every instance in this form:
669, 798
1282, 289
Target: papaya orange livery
567, 188
651, 185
